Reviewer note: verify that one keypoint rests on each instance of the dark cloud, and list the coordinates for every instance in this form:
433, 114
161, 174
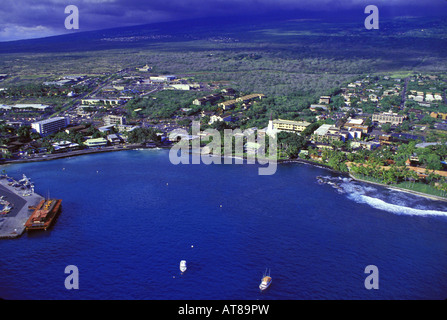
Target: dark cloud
22, 19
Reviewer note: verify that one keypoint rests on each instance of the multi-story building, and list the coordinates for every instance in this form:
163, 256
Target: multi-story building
52, 125
287, 125
114, 120
388, 117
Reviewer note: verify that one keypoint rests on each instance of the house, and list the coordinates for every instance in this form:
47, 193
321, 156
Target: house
224, 117
325, 100
227, 105
146, 68
373, 97
228, 93
440, 115
212, 99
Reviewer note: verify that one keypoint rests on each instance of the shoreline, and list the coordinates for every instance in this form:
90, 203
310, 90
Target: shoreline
75, 154
347, 174
417, 193
302, 161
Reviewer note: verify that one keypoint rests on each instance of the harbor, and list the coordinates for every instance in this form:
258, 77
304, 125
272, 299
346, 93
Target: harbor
17, 202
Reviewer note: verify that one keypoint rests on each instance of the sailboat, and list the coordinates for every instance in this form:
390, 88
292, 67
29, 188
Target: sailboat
266, 280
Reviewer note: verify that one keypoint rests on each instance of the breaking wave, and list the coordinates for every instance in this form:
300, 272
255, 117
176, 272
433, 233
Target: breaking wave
386, 199
397, 209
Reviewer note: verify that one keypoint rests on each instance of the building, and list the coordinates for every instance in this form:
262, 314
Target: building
180, 86
441, 115
226, 105
250, 97
323, 129
228, 93
51, 125
114, 139
162, 78
95, 143
30, 107
368, 145
325, 100
146, 68
75, 129
356, 124
388, 117
224, 117
287, 125
326, 133
101, 101
229, 104
212, 99
62, 146
114, 120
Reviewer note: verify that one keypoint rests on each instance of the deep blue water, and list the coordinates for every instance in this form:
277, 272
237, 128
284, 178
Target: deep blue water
129, 218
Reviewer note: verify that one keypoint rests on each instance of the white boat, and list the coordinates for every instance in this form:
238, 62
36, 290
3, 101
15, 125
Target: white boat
265, 281
183, 266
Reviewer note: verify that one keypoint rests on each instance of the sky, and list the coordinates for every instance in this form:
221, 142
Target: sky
25, 19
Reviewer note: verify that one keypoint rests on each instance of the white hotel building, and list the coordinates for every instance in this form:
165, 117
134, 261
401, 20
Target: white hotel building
47, 126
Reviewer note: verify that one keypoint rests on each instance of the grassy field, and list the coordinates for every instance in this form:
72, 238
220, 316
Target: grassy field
273, 57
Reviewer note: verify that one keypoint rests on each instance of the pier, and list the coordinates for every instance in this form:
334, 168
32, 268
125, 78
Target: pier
12, 224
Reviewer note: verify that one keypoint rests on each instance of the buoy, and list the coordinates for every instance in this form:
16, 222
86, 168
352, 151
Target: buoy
192, 246
221, 206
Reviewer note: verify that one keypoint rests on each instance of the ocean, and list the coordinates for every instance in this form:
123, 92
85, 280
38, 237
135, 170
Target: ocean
128, 219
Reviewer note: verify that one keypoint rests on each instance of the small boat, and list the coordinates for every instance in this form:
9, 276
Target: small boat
265, 281
183, 266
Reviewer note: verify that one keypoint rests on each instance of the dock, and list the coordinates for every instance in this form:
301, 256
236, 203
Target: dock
12, 225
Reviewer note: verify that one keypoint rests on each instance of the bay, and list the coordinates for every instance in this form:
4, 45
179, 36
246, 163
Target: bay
129, 217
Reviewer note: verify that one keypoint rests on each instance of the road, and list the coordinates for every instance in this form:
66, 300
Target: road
404, 94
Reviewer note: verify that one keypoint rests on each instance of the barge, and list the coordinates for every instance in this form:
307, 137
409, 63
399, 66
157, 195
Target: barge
44, 214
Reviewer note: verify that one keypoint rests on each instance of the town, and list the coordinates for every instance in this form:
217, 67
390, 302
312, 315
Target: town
388, 129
